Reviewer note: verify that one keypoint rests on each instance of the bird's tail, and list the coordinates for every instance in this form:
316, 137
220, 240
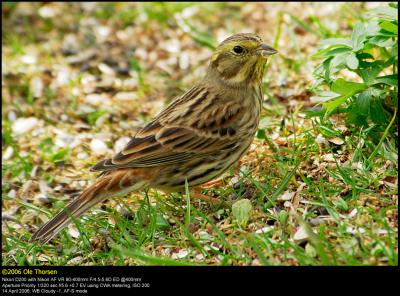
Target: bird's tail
109, 185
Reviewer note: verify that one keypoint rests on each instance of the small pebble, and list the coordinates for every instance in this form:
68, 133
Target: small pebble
36, 85
320, 139
102, 33
97, 99
204, 235
120, 144
12, 193
43, 258
75, 261
316, 221
47, 11
63, 77
73, 231
8, 153
234, 180
287, 204
256, 262
211, 247
42, 198
264, 229
199, 257
82, 155
165, 252
353, 213
179, 255
104, 68
357, 165
126, 96
381, 231
353, 230
29, 59
12, 116
300, 235
58, 188
98, 146
64, 117
184, 61
336, 140
23, 125
328, 157
286, 196
82, 183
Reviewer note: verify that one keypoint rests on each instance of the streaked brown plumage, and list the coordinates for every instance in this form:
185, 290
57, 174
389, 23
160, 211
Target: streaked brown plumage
197, 137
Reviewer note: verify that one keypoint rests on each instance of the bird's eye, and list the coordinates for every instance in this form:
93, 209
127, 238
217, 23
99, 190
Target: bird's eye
238, 49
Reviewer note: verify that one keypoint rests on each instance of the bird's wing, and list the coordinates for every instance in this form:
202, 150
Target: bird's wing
196, 124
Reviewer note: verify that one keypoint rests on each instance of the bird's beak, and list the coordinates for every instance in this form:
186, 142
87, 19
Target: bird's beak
266, 50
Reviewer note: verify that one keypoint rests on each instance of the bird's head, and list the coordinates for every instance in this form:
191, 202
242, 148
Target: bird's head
241, 58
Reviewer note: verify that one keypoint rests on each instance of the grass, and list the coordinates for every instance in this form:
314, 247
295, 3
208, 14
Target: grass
343, 196
125, 239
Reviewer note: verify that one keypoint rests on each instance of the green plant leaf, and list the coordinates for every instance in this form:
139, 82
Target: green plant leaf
283, 217
241, 211
363, 102
327, 68
314, 112
370, 71
364, 55
388, 13
336, 42
355, 117
328, 132
377, 112
161, 222
358, 37
46, 145
372, 28
344, 87
371, 50
261, 134
381, 41
59, 155
395, 98
93, 116
391, 80
332, 105
389, 26
341, 204
352, 61
265, 122
395, 50
338, 61
324, 96
328, 52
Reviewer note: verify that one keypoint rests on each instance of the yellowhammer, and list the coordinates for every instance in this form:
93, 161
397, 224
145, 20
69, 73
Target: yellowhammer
195, 138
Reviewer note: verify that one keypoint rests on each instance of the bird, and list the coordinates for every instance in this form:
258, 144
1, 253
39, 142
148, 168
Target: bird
193, 140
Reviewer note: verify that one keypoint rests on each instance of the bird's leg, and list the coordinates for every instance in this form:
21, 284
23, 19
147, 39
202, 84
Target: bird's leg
195, 193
